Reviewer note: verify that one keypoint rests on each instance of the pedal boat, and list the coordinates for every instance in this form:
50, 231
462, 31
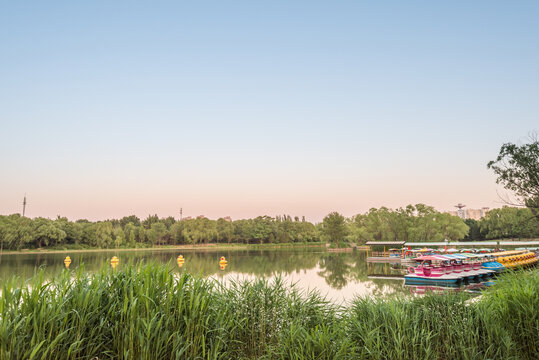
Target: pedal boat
427, 273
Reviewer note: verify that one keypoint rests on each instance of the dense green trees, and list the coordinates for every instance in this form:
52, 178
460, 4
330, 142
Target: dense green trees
412, 223
18, 232
509, 222
517, 168
474, 234
334, 228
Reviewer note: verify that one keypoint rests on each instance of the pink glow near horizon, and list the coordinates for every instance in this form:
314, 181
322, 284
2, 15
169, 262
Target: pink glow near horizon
314, 204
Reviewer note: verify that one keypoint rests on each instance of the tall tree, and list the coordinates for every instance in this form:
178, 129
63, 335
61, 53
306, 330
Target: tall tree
517, 168
103, 234
157, 232
334, 227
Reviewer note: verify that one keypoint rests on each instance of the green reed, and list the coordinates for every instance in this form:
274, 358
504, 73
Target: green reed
149, 311
513, 304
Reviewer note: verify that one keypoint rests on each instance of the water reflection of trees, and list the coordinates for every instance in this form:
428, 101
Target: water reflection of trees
341, 268
258, 263
337, 269
205, 263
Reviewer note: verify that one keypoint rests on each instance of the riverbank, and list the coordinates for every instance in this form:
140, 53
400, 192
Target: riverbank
202, 247
151, 312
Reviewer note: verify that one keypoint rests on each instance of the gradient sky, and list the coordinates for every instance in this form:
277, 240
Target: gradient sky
246, 108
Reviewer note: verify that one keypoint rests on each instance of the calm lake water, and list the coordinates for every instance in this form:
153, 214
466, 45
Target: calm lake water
338, 276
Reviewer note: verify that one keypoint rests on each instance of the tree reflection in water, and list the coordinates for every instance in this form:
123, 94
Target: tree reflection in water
335, 270
338, 269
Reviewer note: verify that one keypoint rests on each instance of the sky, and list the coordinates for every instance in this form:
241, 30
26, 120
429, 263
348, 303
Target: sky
248, 108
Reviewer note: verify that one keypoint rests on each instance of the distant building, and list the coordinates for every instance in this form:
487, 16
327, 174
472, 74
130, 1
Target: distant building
228, 218
201, 217
476, 214
188, 218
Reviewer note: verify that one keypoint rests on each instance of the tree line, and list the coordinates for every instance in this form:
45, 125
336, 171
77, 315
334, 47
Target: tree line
414, 223
17, 232
504, 223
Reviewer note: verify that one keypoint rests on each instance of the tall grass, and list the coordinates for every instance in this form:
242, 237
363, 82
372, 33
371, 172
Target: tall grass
433, 327
151, 312
513, 305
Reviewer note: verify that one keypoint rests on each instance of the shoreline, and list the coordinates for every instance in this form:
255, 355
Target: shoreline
209, 246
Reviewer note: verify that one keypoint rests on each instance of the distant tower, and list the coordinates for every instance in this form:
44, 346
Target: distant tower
460, 210
24, 205
181, 214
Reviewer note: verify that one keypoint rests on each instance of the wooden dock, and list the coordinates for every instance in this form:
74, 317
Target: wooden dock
384, 259
384, 276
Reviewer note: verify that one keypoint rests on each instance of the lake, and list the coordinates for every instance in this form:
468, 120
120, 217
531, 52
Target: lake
338, 276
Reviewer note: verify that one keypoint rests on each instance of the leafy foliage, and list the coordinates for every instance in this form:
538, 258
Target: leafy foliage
509, 222
150, 312
517, 168
334, 228
413, 223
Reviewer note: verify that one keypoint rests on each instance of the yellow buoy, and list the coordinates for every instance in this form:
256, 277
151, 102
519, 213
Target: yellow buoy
223, 263
114, 262
67, 261
180, 260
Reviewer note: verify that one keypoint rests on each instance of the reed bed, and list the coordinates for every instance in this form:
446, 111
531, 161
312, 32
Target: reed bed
149, 311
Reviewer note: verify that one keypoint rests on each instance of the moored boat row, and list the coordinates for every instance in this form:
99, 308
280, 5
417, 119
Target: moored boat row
456, 269
516, 258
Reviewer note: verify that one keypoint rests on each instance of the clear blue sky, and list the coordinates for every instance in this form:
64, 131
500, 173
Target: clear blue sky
246, 108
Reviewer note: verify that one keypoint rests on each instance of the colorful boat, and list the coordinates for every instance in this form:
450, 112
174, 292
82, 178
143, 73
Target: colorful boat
449, 269
516, 258
494, 266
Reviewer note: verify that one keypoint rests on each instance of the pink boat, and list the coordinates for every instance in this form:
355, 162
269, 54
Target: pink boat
428, 271
448, 268
445, 270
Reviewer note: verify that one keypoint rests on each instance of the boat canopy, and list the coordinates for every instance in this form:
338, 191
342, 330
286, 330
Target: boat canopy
506, 253
469, 255
427, 258
483, 255
456, 256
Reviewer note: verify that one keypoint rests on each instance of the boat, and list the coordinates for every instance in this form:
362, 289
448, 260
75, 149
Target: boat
516, 258
449, 269
494, 266
445, 280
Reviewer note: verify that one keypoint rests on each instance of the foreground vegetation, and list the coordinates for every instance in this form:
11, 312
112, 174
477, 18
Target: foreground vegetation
149, 312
